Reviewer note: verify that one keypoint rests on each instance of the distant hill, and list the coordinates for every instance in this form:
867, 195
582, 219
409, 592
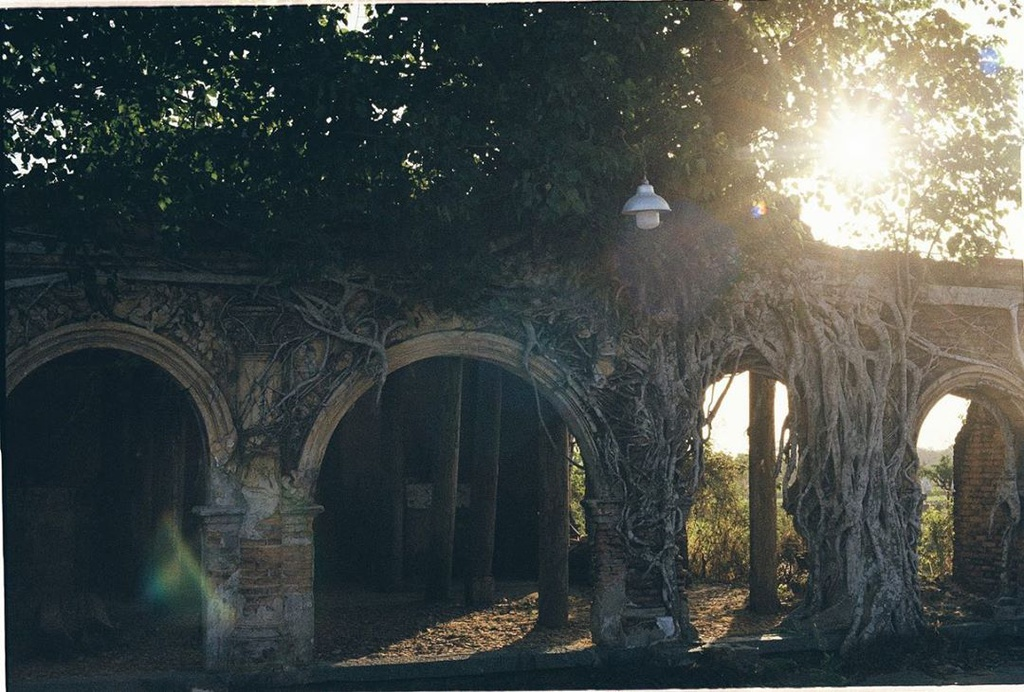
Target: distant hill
930, 457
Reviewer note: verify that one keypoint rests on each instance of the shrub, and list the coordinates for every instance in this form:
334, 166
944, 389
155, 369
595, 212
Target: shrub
718, 535
935, 549
577, 494
792, 548
718, 531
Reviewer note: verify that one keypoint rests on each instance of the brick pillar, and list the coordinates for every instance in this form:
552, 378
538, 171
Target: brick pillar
629, 609
297, 579
260, 638
553, 551
484, 498
1017, 567
221, 560
445, 485
609, 565
260, 633
979, 468
687, 633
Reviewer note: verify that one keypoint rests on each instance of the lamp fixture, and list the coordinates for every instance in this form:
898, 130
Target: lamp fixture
646, 206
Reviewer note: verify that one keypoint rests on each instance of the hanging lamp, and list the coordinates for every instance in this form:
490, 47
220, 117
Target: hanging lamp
646, 206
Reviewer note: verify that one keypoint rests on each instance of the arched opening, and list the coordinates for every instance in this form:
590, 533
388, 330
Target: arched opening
935, 443
103, 460
390, 580
969, 448
745, 560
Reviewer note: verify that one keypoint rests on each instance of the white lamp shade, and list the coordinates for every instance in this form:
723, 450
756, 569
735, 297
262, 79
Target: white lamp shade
646, 206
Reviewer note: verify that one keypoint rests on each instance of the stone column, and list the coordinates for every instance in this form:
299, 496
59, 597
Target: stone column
484, 498
609, 565
553, 549
297, 578
221, 559
445, 485
259, 638
764, 596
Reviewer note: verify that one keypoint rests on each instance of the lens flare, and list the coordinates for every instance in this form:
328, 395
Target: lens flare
174, 578
989, 60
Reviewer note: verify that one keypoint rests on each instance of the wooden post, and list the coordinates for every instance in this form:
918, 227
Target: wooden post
553, 550
392, 462
484, 497
764, 596
445, 485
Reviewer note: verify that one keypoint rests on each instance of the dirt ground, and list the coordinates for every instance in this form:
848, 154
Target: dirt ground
360, 626
393, 627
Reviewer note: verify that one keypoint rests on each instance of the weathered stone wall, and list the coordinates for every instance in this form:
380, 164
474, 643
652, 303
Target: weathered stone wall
271, 378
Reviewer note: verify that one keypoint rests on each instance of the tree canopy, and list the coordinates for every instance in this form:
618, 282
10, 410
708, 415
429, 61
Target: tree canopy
443, 132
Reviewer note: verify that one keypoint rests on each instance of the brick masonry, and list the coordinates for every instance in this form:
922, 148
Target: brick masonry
979, 519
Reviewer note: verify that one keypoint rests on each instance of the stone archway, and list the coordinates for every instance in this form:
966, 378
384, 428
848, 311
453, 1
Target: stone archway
759, 420
987, 476
209, 401
995, 384
221, 515
491, 349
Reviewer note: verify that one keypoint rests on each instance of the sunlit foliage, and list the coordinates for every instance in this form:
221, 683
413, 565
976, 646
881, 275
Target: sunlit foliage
440, 133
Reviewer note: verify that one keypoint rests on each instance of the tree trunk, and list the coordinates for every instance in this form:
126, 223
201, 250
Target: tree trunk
392, 457
851, 487
445, 485
484, 498
764, 596
553, 550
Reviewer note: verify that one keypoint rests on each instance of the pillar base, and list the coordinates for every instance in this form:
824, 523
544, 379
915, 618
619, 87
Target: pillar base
297, 580
221, 560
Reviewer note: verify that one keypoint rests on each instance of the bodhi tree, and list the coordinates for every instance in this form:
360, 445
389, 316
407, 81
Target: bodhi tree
888, 136
446, 142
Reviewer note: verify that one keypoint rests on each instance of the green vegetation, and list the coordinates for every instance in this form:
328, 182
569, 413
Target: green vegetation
441, 132
577, 493
935, 548
718, 533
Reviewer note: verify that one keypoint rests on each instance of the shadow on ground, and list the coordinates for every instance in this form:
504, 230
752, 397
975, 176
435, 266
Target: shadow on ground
369, 640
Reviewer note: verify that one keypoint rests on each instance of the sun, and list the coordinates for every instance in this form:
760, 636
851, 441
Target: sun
855, 156
856, 148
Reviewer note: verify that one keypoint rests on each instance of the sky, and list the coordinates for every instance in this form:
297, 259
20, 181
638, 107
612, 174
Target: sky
825, 225
729, 428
